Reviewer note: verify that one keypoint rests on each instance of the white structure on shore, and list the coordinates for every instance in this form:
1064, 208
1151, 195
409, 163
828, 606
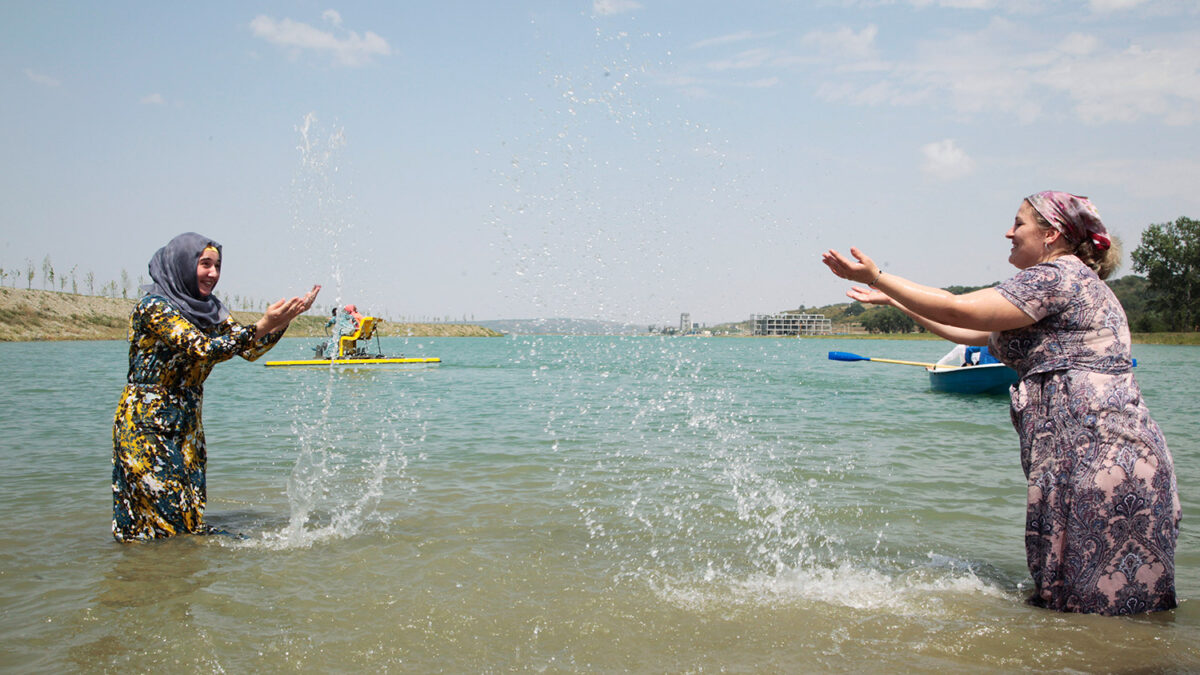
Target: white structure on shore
791, 324
685, 323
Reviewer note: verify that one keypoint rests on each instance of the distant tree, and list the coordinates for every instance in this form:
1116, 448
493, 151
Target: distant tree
90, 280
124, 284
959, 290
47, 272
29, 274
887, 320
1132, 292
855, 309
74, 285
1169, 255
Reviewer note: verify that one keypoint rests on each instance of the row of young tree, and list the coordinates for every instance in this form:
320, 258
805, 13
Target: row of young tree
126, 288
1166, 298
50, 276
53, 279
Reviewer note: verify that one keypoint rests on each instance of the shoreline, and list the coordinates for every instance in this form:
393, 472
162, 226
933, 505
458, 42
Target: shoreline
35, 315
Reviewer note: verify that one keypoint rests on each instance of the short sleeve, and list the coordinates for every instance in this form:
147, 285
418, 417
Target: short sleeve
1040, 291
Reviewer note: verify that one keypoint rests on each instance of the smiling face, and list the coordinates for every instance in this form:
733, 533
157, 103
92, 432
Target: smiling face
1029, 239
208, 271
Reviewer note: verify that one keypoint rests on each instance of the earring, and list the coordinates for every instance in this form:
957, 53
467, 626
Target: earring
1046, 245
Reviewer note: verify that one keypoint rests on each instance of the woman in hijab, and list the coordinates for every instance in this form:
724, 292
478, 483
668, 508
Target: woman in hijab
178, 331
1102, 512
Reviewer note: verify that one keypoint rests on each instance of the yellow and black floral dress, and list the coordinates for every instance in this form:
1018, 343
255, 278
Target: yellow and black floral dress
159, 455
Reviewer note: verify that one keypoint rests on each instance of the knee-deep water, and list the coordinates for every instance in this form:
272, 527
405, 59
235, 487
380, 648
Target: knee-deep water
562, 504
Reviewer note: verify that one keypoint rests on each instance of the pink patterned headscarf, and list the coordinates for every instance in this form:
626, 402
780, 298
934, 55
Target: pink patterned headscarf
1076, 217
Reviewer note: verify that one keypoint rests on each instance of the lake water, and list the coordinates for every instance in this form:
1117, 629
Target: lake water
562, 504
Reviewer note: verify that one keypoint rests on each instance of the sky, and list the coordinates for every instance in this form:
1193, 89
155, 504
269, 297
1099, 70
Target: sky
604, 159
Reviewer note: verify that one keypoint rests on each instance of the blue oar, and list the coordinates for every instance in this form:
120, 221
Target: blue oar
847, 356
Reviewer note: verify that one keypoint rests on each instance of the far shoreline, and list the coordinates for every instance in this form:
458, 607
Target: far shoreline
31, 315
34, 315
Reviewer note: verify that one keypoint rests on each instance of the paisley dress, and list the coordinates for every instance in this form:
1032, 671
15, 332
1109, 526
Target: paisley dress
159, 455
1102, 515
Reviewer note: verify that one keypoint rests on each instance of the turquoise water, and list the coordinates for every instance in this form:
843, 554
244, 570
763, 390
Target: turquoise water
561, 504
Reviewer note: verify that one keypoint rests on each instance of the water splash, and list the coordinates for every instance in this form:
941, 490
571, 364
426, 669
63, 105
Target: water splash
920, 590
590, 224
349, 451
680, 492
353, 453
320, 210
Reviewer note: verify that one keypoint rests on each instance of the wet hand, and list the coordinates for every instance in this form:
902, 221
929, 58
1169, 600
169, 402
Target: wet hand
862, 269
310, 297
869, 296
280, 314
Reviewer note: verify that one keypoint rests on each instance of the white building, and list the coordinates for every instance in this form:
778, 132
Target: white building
791, 324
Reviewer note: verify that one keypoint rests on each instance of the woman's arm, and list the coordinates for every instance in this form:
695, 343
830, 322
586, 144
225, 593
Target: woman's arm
983, 310
963, 336
159, 318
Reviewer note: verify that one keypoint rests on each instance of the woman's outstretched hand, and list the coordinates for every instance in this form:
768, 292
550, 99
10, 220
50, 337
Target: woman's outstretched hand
869, 296
864, 271
281, 313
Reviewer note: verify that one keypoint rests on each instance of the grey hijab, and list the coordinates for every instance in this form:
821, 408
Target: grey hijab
173, 272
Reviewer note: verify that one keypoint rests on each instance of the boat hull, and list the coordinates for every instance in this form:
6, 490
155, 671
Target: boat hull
352, 363
992, 378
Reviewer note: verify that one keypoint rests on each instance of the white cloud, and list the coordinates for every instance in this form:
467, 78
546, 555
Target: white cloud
750, 58
1077, 44
944, 160
1114, 5
955, 4
740, 36
764, 83
844, 43
1158, 179
39, 78
1125, 86
1007, 68
152, 99
350, 49
610, 7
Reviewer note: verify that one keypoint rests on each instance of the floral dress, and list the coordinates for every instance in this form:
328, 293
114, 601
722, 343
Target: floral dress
1102, 515
159, 454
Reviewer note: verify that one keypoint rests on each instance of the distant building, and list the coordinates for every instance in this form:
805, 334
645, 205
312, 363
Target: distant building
791, 324
685, 323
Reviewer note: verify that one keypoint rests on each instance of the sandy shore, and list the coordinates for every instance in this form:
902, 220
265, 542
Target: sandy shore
28, 315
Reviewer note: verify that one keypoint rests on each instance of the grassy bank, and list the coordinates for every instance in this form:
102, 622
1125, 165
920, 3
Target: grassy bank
30, 315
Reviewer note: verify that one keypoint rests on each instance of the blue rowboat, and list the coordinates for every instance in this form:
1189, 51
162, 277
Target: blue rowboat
990, 378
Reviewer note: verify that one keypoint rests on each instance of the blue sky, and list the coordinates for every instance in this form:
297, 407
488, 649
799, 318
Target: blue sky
610, 159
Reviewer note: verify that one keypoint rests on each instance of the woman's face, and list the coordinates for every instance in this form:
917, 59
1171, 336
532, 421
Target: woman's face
208, 271
1028, 239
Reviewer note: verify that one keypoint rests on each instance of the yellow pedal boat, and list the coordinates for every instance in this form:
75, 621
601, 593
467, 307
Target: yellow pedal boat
353, 362
350, 355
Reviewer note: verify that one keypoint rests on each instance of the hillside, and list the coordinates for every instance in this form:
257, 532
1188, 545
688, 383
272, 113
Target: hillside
27, 315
